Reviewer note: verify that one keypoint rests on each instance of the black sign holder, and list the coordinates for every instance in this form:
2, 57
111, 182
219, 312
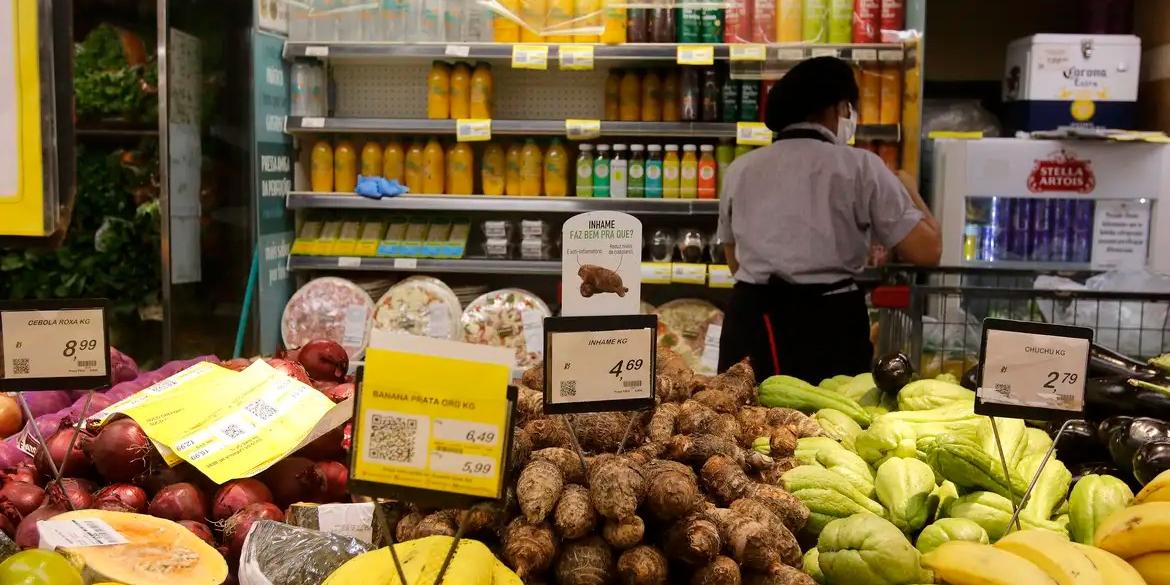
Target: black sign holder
597, 323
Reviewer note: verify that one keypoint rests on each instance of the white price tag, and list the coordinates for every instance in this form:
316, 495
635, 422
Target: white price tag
352, 520
405, 263
685, 273
823, 52
312, 122
458, 51
473, 130
576, 57
695, 55
462, 431
53, 343
533, 324
790, 54
889, 56
461, 464
598, 366
348, 261
439, 321
656, 272
316, 51
709, 363
77, 534
864, 55
354, 327
748, 52
1029, 368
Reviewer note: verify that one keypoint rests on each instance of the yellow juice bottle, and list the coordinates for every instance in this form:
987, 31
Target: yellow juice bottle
531, 169
613, 93
344, 167
413, 169
434, 169
688, 174
589, 19
651, 97
505, 29
560, 19
630, 97
321, 167
614, 22
460, 91
512, 169
393, 160
670, 171
482, 86
556, 170
439, 91
533, 12
460, 169
372, 159
492, 170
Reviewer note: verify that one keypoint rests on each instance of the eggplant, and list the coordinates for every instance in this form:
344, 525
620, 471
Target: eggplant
1150, 460
1078, 443
970, 379
1106, 397
1106, 362
1106, 427
1127, 439
892, 371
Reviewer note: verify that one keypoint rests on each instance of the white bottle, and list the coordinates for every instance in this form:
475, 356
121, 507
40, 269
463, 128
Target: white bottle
453, 18
477, 23
430, 28
393, 15
618, 169
321, 20
348, 21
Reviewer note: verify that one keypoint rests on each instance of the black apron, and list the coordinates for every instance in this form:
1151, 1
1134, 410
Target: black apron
810, 331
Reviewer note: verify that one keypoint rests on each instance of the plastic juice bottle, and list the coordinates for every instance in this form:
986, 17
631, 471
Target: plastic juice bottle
637, 172
372, 159
651, 97
742, 149
588, 18
492, 169
439, 91
512, 169
763, 21
460, 91
690, 25
712, 25
630, 97
614, 22
688, 176
601, 171
556, 170
749, 100
393, 159
708, 172
690, 94
789, 19
711, 95
636, 26
661, 24
460, 169
670, 172
434, 168
480, 94
729, 100
560, 19
654, 171
724, 154
870, 105
619, 168
670, 96
814, 21
344, 167
891, 94
413, 169
321, 167
531, 169
613, 92
840, 21
533, 13
504, 29
585, 171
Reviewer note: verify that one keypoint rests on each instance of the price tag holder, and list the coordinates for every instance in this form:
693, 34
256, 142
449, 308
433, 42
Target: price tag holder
316, 51
864, 55
576, 57
889, 56
312, 122
348, 262
790, 54
686, 273
599, 363
696, 55
530, 57
824, 52
582, 129
748, 52
656, 272
1031, 370
752, 133
473, 130
57, 344
457, 51
720, 276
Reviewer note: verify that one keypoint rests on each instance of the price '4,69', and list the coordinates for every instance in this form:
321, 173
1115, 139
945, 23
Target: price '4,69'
74, 346
625, 366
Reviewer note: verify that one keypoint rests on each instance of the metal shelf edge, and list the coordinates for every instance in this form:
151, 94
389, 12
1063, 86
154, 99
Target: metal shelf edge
465, 266
309, 200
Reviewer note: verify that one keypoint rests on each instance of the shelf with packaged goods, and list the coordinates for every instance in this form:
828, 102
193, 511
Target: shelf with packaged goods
307, 125
483, 203
463, 266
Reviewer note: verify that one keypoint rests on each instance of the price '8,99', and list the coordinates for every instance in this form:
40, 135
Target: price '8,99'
74, 346
625, 366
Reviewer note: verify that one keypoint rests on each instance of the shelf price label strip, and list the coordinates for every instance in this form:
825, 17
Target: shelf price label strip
720, 276
473, 130
687, 273
576, 57
530, 57
695, 55
656, 272
582, 129
748, 52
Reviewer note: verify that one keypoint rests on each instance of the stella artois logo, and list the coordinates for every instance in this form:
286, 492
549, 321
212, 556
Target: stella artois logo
1062, 171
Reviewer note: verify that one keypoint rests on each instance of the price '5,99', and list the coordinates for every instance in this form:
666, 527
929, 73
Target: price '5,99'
625, 366
74, 346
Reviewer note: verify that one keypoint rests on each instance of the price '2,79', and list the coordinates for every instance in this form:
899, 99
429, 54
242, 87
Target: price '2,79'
626, 366
1061, 378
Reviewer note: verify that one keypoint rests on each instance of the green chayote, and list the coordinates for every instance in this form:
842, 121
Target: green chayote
1093, 498
812, 566
906, 488
948, 529
864, 549
838, 425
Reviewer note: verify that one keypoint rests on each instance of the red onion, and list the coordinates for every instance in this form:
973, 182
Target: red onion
70, 490
336, 479
25, 496
294, 479
291, 369
27, 535
327, 446
236, 528
324, 386
324, 360
25, 472
288, 354
237, 494
180, 501
341, 392
121, 451
199, 529
56, 446
121, 497
237, 364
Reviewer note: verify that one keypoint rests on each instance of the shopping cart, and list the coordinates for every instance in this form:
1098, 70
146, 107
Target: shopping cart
935, 316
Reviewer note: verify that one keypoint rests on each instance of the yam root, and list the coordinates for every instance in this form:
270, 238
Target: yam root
642, 565
748, 541
693, 540
672, 490
528, 548
539, 488
549, 432
696, 449
566, 460
587, 561
645, 454
404, 529
773, 474
717, 400
753, 422
791, 511
616, 486
602, 432
782, 442
533, 378
721, 571
724, 479
757, 461
599, 279
662, 422
692, 416
671, 390
722, 425
625, 533
481, 517
739, 381
443, 522
672, 365
756, 510
778, 416
529, 403
574, 515
784, 575
521, 450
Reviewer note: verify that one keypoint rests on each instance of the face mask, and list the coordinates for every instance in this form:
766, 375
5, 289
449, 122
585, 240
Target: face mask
847, 127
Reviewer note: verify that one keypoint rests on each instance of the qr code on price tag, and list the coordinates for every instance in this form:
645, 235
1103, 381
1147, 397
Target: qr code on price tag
399, 439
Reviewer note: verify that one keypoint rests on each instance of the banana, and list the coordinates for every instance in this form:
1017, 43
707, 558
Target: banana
961, 562
1158, 490
1154, 567
1054, 555
1114, 568
1135, 530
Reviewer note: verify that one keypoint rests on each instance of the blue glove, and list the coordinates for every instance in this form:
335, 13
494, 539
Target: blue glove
368, 187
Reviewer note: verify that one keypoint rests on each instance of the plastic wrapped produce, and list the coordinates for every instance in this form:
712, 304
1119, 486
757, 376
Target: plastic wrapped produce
276, 553
419, 305
508, 317
684, 325
329, 308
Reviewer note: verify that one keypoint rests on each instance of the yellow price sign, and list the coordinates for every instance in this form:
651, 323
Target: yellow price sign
530, 57
576, 57
656, 273
696, 55
753, 134
582, 129
686, 273
720, 276
473, 130
748, 52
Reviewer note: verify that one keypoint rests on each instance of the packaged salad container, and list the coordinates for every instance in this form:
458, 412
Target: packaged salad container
419, 305
329, 308
511, 318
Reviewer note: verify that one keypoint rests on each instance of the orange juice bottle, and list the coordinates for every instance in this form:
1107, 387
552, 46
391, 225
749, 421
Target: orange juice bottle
344, 167
613, 84
439, 91
891, 94
670, 172
556, 170
321, 167
413, 169
512, 169
630, 97
460, 91
560, 19
588, 18
492, 170
614, 22
688, 176
651, 97
480, 105
460, 169
504, 26
434, 168
533, 12
707, 167
670, 96
393, 159
531, 169
372, 159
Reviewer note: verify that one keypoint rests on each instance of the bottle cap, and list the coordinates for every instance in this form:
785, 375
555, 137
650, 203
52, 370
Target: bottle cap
637, 147
602, 148
654, 148
972, 229
707, 148
689, 147
619, 147
586, 147
671, 147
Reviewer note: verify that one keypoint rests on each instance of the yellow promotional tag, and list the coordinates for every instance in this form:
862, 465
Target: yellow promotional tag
530, 57
582, 129
696, 55
685, 273
748, 52
656, 273
973, 135
719, 276
301, 247
576, 57
752, 133
473, 130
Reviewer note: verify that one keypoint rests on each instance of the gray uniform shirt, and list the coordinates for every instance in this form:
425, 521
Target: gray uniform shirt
805, 210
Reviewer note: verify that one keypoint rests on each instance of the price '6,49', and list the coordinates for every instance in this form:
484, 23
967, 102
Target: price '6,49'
625, 366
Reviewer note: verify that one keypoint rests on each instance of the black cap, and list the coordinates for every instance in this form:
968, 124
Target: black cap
808, 88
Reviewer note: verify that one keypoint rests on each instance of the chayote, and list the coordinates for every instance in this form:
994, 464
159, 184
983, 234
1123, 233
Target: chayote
838, 425
1036, 441
993, 512
886, 438
827, 495
946, 492
1051, 488
864, 549
838, 459
970, 467
948, 529
906, 488
1093, 498
1011, 438
812, 566
930, 394
762, 445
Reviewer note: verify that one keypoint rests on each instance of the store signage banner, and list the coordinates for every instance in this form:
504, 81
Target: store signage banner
601, 264
1032, 370
54, 344
1069, 168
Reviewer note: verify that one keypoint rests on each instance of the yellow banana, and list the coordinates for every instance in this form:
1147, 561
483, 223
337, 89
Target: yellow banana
1158, 490
1154, 567
1135, 530
1113, 567
961, 562
502, 575
1054, 555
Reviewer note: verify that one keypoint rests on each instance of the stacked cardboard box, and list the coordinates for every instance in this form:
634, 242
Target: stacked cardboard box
1152, 24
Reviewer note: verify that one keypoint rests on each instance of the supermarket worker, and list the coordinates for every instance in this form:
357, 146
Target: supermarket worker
796, 220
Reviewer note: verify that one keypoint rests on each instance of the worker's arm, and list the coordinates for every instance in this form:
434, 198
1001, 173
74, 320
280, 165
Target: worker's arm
923, 245
732, 262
